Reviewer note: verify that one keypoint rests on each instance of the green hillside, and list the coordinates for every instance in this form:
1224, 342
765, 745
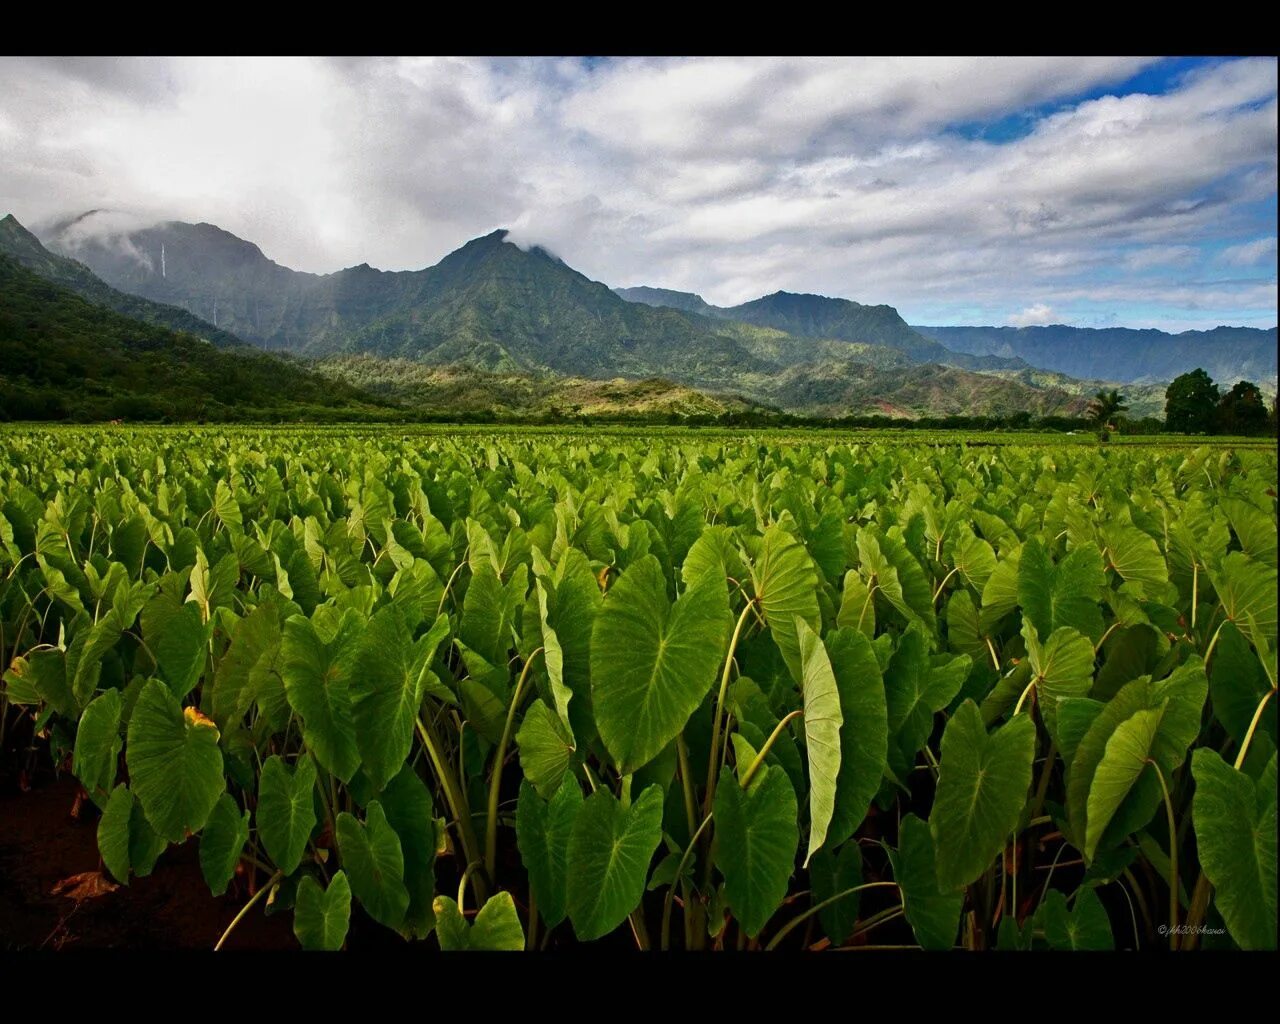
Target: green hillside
61, 357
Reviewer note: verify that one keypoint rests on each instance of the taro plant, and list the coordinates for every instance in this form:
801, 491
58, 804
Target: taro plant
500, 691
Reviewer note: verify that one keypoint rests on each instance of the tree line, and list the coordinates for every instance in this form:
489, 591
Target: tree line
1194, 404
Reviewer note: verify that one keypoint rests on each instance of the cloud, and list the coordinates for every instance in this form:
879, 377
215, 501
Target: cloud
729, 177
1159, 256
1250, 254
1036, 315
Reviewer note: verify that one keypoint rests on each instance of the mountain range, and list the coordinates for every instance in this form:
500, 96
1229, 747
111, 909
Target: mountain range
1119, 354
500, 326
1227, 354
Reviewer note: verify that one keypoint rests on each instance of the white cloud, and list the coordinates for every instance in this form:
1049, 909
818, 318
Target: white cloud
1159, 256
729, 177
1036, 315
1250, 254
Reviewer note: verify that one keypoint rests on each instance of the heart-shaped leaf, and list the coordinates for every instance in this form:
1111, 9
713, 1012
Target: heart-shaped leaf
1235, 825
609, 854
286, 810
756, 840
495, 929
982, 787
543, 831
374, 861
222, 842
652, 663
175, 765
321, 916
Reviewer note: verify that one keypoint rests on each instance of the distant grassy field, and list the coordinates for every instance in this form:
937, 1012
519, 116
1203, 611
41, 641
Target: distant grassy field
855, 435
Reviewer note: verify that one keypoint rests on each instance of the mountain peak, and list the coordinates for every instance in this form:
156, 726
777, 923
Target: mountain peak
18, 242
14, 229
491, 240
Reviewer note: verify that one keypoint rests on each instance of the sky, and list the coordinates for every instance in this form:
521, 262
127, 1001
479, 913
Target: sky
1100, 191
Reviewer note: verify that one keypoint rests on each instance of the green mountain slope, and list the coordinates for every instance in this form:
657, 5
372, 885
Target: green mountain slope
818, 316
503, 310
24, 248
837, 388
63, 357
464, 390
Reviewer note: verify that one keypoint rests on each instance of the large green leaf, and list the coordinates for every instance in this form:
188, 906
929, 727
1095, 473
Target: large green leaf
1247, 588
1061, 667
125, 839
85, 654
1237, 684
786, 584
543, 831
286, 810
1000, 593
1255, 528
255, 641
487, 615
545, 749
317, 679
1062, 595
822, 721
652, 663
1235, 825
714, 554
1128, 751
917, 686
609, 854
1084, 926
756, 840
553, 655
176, 638
1182, 695
495, 929
407, 803
386, 692
321, 916
982, 787
98, 746
857, 606
175, 765
222, 842
934, 914
897, 575
374, 861
834, 874
1134, 555
577, 603
864, 732
974, 558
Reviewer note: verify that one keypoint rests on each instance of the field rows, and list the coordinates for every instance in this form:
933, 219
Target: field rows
687, 689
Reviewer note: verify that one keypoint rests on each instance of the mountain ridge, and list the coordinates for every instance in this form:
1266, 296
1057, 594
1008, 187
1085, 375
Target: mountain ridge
1126, 354
505, 309
26, 249
62, 356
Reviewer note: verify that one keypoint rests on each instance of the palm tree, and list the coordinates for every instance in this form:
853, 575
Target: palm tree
1105, 406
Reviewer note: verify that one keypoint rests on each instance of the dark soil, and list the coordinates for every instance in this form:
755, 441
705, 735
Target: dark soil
41, 844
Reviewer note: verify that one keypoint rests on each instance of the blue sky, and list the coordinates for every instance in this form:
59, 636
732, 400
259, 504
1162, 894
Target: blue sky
1092, 191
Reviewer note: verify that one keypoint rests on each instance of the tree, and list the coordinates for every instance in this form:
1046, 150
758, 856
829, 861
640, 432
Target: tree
1242, 410
1191, 404
1105, 406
